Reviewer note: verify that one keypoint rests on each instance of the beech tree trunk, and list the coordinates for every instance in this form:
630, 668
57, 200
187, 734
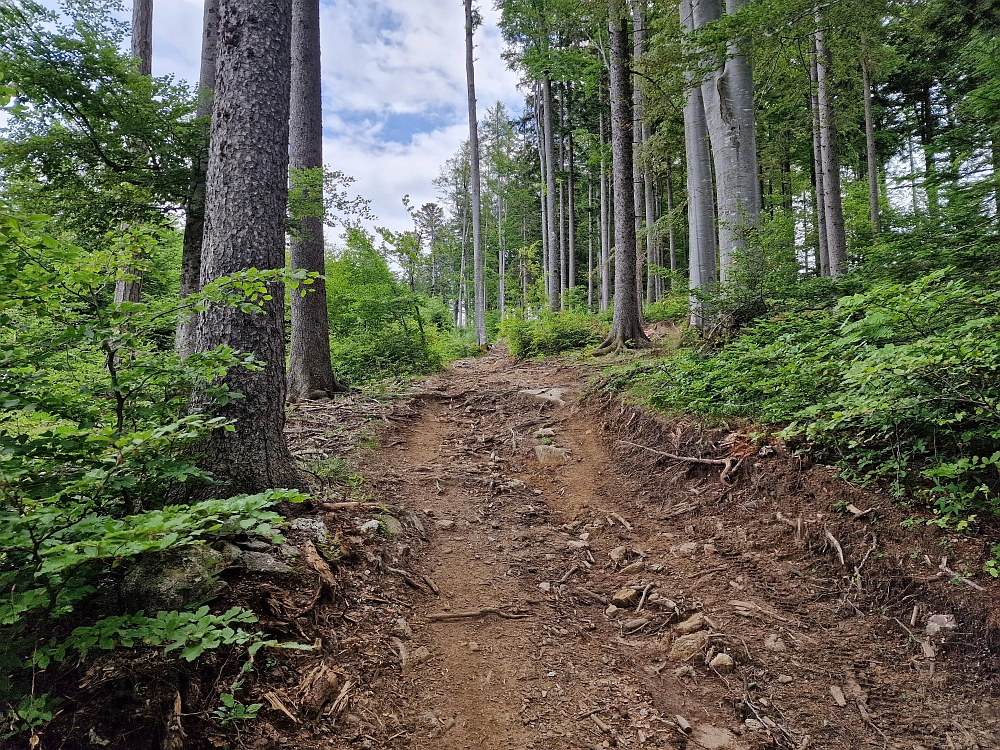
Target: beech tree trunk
626, 325
605, 229
822, 245
729, 110
701, 202
194, 210
590, 246
873, 202
479, 289
836, 239
571, 212
652, 280
310, 373
245, 203
539, 124
550, 196
562, 246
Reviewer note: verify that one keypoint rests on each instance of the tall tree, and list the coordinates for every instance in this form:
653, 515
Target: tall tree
550, 195
194, 209
310, 372
479, 288
245, 206
836, 241
626, 325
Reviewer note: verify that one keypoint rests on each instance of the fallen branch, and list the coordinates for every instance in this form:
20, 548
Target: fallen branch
726, 463
642, 600
445, 616
943, 567
581, 591
410, 581
836, 546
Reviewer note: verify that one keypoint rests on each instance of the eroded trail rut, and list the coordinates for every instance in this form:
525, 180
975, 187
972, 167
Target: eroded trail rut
617, 608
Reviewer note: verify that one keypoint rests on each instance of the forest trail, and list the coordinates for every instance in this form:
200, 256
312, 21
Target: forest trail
771, 652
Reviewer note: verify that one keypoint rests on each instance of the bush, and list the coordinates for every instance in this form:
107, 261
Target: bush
553, 333
366, 357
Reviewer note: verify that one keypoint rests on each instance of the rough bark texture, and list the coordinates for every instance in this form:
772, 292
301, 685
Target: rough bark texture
638, 106
310, 373
571, 214
246, 196
605, 228
590, 247
539, 124
701, 202
822, 248
729, 110
836, 239
194, 210
626, 324
478, 288
652, 281
873, 204
142, 35
550, 196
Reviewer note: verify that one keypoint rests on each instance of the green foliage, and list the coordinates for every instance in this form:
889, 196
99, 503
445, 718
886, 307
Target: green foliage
553, 333
232, 710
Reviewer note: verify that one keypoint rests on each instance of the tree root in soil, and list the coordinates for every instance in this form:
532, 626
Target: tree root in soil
618, 345
726, 463
445, 616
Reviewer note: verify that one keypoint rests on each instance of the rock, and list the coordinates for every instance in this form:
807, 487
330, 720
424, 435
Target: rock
261, 562
545, 586
634, 567
692, 624
392, 525
625, 598
444, 524
551, 454
838, 695
773, 642
637, 624
578, 544
315, 528
230, 552
172, 580
545, 432
618, 555
785, 679
687, 549
402, 629
715, 738
937, 623
289, 551
688, 646
256, 545
723, 664
420, 655
473, 646
545, 396
369, 527
753, 725
611, 611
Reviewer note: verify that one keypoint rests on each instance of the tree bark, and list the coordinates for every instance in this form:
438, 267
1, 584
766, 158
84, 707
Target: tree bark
822, 246
652, 280
836, 239
873, 202
626, 324
245, 203
194, 210
701, 204
590, 246
638, 105
477, 229
550, 196
605, 229
672, 236
729, 110
571, 212
310, 372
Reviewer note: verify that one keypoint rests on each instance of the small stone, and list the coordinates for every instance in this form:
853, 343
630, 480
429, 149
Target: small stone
420, 655
785, 679
315, 528
260, 562
634, 567
545, 586
637, 624
687, 549
709, 549
618, 555
551, 454
473, 646
445, 524
369, 527
723, 664
838, 695
402, 629
692, 624
773, 642
937, 623
611, 611
545, 432
576, 544
625, 598
687, 646
392, 525
753, 725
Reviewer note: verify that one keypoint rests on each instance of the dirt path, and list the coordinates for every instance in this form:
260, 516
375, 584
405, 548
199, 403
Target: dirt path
527, 512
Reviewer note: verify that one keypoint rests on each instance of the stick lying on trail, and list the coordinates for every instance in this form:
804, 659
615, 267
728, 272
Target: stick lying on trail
726, 463
443, 616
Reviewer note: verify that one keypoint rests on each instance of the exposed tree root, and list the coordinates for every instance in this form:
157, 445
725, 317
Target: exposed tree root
617, 345
726, 463
444, 616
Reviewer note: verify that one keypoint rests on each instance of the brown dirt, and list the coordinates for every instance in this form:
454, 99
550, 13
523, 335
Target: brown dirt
490, 526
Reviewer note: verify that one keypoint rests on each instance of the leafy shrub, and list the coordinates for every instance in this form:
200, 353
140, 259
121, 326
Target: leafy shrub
391, 352
551, 334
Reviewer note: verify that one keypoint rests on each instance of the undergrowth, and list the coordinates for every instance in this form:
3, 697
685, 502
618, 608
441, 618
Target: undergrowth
551, 333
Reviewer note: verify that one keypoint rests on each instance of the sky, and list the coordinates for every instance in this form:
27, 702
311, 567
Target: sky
394, 89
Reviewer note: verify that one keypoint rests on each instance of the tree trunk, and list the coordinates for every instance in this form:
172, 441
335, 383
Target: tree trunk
822, 246
142, 35
701, 202
590, 246
638, 106
605, 229
540, 127
626, 324
836, 239
550, 196
310, 373
194, 209
245, 203
729, 110
562, 248
477, 230
571, 212
873, 202
652, 280
501, 255
672, 237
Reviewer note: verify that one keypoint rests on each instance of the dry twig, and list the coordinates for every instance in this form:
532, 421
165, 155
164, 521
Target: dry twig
445, 616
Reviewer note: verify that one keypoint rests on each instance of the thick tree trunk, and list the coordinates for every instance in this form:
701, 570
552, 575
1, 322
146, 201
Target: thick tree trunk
873, 202
626, 324
194, 210
652, 280
672, 236
822, 245
836, 240
550, 196
562, 247
142, 35
701, 203
479, 288
638, 107
605, 229
246, 198
729, 109
310, 373
540, 127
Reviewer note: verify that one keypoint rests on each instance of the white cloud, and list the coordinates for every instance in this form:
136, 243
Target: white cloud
393, 85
